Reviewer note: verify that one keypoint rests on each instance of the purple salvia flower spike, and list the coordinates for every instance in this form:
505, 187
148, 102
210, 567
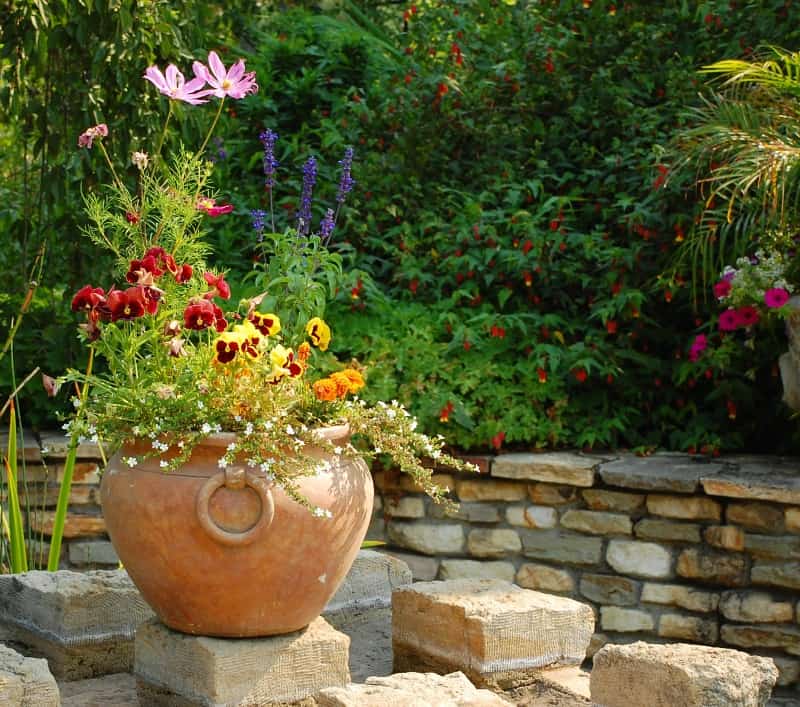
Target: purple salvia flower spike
268, 139
326, 226
309, 180
346, 182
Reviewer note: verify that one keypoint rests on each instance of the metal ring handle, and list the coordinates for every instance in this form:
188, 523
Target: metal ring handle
235, 478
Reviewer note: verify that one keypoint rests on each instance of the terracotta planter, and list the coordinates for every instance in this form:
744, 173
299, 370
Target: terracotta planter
223, 552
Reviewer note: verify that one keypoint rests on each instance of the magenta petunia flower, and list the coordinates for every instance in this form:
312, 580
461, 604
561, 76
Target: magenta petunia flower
748, 316
722, 289
776, 297
173, 85
729, 320
233, 82
699, 345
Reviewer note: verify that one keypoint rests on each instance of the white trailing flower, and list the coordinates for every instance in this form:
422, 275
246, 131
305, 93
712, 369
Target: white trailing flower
130, 461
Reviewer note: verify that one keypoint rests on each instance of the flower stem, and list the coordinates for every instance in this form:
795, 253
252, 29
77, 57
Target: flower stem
211, 129
163, 133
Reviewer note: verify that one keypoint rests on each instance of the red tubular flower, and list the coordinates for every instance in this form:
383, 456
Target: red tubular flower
444, 413
220, 287
580, 375
497, 440
498, 332
542, 375
199, 315
87, 298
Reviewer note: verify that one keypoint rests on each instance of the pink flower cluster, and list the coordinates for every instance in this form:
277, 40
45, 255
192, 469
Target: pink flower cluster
739, 318
88, 136
233, 82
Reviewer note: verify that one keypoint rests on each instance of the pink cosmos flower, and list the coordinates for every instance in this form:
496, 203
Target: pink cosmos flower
86, 138
748, 316
729, 320
722, 289
776, 297
233, 82
174, 85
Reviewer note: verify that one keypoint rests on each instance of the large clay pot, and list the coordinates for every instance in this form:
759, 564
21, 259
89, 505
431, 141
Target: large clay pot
222, 552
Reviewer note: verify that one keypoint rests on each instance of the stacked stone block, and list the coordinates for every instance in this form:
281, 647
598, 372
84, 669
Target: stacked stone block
665, 548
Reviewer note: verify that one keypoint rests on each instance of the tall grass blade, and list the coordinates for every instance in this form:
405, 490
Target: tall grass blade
19, 558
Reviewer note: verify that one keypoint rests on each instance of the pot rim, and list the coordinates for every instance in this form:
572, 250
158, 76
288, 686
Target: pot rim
329, 433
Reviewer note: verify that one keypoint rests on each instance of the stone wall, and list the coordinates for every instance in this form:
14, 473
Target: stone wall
666, 548
85, 544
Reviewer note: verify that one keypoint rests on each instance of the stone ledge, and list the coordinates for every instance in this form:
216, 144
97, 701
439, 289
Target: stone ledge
659, 472
552, 467
765, 480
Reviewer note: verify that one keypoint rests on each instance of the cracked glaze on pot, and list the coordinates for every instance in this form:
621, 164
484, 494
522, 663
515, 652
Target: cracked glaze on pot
221, 552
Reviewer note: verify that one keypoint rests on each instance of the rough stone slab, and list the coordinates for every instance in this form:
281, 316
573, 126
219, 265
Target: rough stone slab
490, 490
83, 623
609, 589
532, 516
750, 636
688, 628
764, 480
545, 578
27, 446
615, 618
679, 595
470, 512
552, 494
614, 501
725, 537
776, 574
475, 569
92, 552
793, 520
26, 682
493, 542
653, 529
597, 522
755, 607
411, 690
423, 568
684, 507
369, 583
704, 565
756, 516
551, 467
405, 507
55, 445
494, 632
770, 547
639, 558
788, 670
675, 674
556, 546
238, 672
427, 538
75, 525
117, 690
394, 481
659, 472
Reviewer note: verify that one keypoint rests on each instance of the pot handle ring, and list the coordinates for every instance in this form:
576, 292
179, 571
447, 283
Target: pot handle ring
235, 478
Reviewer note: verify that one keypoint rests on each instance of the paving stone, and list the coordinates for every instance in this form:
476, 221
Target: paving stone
545, 578
619, 501
616, 618
632, 557
675, 674
755, 607
493, 542
765, 480
679, 595
240, 671
725, 537
411, 690
423, 567
792, 520
83, 623
26, 682
475, 569
688, 628
776, 574
494, 632
609, 589
756, 516
117, 690
773, 547
750, 636
427, 538
405, 507
684, 507
93, 552
532, 516
653, 529
597, 522
470, 512
551, 467
559, 546
369, 583
659, 472
715, 567
552, 494
489, 490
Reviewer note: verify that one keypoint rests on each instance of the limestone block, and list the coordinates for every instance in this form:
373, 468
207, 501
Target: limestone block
615, 618
470, 512
725, 537
532, 516
680, 674
369, 583
490, 490
788, 670
619, 501
639, 558
427, 538
597, 642
768, 479
552, 494
714, 567
117, 690
654, 529
411, 690
27, 446
493, 542
684, 507
475, 569
239, 671
658, 472
55, 445
553, 467
793, 520
770, 547
545, 578
564, 547
755, 516
776, 574
423, 568
688, 628
83, 623
679, 595
75, 525
405, 507
495, 632
93, 552
26, 682
748, 636
755, 607
609, 589
597, 522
